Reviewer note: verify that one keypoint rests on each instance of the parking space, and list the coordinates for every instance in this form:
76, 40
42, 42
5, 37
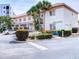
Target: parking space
63, 48
59, 43
9, 49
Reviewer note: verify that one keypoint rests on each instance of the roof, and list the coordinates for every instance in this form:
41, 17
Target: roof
57, 5
63, 4
19, 16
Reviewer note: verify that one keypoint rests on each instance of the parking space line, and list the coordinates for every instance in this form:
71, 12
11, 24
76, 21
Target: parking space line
38, 46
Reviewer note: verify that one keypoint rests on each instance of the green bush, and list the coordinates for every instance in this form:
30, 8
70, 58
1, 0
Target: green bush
1, 30
32, 37
65, 32
44, 36
74, 30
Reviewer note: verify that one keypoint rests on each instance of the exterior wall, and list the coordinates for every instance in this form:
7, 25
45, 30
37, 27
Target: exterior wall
12, 13
4, 11
63, 19
70, 18
26, 21
58, 17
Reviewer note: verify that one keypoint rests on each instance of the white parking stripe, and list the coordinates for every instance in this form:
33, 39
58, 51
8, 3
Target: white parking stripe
38, 46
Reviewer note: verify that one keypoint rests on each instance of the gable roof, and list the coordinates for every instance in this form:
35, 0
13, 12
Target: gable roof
63, 4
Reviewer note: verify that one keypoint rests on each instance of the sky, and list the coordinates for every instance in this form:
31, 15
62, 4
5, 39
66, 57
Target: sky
22, 6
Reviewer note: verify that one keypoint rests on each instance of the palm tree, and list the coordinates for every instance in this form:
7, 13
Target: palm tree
46, 5
35, 12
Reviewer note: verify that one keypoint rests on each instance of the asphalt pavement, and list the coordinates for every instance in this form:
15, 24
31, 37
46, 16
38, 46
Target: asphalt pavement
64, 48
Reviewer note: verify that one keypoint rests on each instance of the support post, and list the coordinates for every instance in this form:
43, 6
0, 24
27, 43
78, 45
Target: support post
62, 33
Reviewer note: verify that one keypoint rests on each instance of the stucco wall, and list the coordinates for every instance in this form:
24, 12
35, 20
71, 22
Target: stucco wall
65, 18
70, 18
28, 22
58, 17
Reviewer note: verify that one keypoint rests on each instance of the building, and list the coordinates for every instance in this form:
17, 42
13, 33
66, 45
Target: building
6, 10
23, 20
59, 17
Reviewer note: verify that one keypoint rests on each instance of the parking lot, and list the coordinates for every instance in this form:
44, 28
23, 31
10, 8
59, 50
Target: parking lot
62, 48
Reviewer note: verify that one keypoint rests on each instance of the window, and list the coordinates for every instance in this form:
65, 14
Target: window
25, 27
52, 12
24, 19
7, 12
7, 7
4, 11
29, 18
4, 7
50, 26
17, 25
19, 19
16, 19
30, 24
41, 14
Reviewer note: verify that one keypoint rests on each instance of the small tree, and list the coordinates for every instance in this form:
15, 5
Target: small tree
5, 22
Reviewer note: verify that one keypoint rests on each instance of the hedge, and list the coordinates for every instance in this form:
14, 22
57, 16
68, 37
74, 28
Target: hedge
44, 36
66, 33
32, 37
74, 30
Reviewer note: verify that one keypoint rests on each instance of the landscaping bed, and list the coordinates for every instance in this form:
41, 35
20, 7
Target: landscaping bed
74, 30
65, 33
42, 35
22, 34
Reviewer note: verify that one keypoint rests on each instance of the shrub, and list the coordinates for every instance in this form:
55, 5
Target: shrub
65, 32
32, 37
44, 36
33, 34
1, 30
74, 30
22, 34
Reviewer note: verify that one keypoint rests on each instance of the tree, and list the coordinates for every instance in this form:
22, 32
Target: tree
5, 22
35, 12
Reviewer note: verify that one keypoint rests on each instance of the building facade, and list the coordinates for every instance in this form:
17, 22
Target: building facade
6, 10
23, 20
60, 16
